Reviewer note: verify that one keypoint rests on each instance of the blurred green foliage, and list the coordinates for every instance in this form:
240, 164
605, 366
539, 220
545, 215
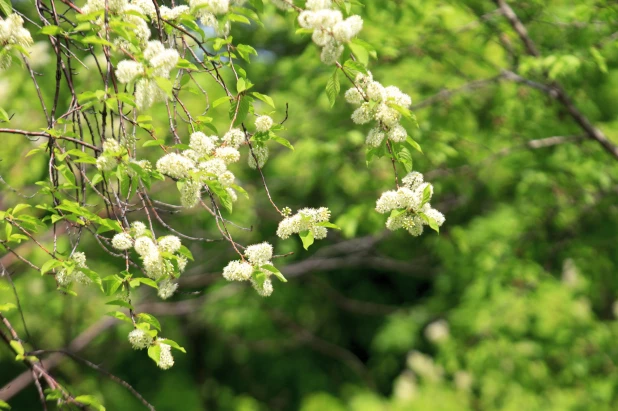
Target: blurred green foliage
523, 272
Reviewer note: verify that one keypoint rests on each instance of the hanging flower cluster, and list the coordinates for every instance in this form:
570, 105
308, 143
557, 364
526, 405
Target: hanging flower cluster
379, 103
314, 220
330, 30
161, 260
142, 337
12, 33
205, 162
73, 271
258, 268
409, 206
158, 63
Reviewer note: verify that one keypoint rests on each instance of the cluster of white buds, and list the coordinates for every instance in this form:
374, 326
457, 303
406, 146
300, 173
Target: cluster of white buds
409, 205
282, 4
130, 13
12, 33
205, 161
161, 61
330, 30
140, 339
307, 219
161, 261
112, 155
207, 11
263, 124
255, 269
70, 274
378, 103
166, 360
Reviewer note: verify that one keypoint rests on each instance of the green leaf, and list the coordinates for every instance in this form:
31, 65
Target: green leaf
93, 40
184, 251
238, 18
306, 237
120, 303
354, 67
17, 347
432, 223
51, 30
154, 352
149, 319
275, 271
5, 308
328, 224
333, 87
165, 85
426, 195
280, 140
4, 116
266, 99
5, 6
4, 405
146, 281
91, 401
120, 315
152, 143
414, 144
50, 265
405, 158
241, 85
220, 101
172, 344
397, 213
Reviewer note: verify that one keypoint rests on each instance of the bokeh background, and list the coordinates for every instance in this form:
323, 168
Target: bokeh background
511, 307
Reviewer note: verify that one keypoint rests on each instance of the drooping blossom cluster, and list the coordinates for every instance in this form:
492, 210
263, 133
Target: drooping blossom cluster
160, 260
67, 275
12, 33
307, 219
409, 205
330, 30
257, 268
140, 339
205, 162
161, 61
377, 103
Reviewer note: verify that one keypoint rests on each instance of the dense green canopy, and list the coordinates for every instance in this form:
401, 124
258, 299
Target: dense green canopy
510, 307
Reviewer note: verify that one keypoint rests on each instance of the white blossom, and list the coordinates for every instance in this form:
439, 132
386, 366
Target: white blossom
237, 271
331, 52
398, 134
353, 96
234, 138
202, 144
388, 201
259, 254
362, 115
190, 193
140, 339
227, 154
167, 288
263, 123
144, 246
213, 6
375, 137
175, 165
318, 4
128, 70
437, 331
261, 152
215, 166
169, 244
412, 180
226, 179
166, 361
138, 228
265, 289
122, 241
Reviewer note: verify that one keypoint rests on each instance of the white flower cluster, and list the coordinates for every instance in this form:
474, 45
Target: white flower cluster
66, 276
412, 201
157, 265
376, 103
123, 8
166, 360
207, 11
282, 4
140, 339
257, 255
12, 32
161, 60
263, 124
112, 155
306, 219
330, 30
206, 160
